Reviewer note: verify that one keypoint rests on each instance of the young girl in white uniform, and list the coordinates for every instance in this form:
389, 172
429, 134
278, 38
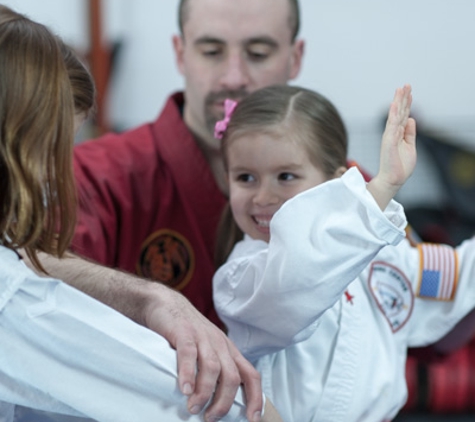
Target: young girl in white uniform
324, 294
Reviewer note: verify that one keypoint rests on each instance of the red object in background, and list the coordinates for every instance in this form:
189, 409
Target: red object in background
451, 383
442, 386
100, 63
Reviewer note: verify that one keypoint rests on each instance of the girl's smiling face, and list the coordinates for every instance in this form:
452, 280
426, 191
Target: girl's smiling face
264, 172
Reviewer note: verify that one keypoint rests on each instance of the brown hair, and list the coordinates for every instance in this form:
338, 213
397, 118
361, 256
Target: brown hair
294, 16
37, 191
306, 116
82, 83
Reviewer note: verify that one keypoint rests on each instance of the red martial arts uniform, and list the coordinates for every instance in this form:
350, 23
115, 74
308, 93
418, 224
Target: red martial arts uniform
149, 204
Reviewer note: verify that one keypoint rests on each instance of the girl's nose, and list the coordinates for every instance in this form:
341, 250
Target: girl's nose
265, 195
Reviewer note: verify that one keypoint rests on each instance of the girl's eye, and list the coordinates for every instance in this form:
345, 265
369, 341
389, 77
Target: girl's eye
287, 176
245, 177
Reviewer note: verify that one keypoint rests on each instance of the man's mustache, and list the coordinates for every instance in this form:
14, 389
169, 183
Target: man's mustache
220, 96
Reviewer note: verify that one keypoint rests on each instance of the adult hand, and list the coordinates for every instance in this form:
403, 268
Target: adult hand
203, 347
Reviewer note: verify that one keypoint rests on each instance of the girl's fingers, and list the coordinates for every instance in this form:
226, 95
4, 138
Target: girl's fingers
403, 99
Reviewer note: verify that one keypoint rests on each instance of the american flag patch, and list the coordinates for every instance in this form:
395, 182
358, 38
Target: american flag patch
438, 271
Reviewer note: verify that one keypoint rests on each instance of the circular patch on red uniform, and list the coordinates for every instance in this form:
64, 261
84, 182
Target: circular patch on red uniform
168, 257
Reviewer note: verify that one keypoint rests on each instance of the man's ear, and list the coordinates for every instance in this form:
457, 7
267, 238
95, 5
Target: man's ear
296, 58
179, 48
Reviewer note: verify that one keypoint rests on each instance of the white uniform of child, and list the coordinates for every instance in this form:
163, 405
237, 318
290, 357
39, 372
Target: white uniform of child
62, 351
326, 312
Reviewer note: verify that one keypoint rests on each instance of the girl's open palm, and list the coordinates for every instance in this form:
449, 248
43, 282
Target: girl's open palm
398, 147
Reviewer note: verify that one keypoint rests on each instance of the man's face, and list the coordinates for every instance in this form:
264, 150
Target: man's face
229, 49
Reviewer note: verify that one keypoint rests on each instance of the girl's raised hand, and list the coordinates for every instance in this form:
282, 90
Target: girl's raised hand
398, 149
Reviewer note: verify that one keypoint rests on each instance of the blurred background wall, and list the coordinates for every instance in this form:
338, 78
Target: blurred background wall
357, 53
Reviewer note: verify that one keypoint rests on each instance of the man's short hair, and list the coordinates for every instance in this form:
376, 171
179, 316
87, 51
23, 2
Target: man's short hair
294, 17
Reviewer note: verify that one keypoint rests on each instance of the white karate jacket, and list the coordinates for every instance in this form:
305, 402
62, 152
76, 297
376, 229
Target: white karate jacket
62, 351
327, 309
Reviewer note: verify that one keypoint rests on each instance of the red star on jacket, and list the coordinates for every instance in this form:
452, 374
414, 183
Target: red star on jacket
349, 297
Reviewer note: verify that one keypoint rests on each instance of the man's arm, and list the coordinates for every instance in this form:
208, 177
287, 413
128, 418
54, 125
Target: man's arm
199, 343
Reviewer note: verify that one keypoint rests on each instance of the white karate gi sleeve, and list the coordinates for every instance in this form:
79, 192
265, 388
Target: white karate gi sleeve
271, 295
62, 351
443, 282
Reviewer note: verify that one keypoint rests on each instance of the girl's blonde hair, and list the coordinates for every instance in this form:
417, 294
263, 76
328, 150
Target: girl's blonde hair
305, 117
37, 191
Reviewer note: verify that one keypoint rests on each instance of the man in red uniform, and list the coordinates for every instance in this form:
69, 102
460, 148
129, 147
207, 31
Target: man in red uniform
151, 197
150, 205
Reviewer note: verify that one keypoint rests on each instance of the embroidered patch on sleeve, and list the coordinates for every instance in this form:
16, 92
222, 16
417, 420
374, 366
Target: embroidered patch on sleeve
438, 273
392, 292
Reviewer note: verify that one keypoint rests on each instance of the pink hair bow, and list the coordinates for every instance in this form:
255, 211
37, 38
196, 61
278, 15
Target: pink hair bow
221, 125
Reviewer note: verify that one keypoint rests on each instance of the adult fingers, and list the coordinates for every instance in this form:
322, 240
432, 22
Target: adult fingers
235, 373
187, 355
251, 380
